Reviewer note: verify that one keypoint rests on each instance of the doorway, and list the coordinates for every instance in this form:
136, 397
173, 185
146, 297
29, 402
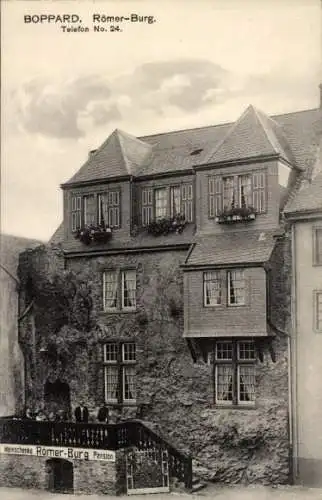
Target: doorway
57, 398
60, 475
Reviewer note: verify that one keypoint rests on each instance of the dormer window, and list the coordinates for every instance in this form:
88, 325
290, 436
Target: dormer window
96, 209
163, 202
237, 191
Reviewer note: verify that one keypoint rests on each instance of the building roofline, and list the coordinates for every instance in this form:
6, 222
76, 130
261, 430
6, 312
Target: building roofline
177, 131
118, 251
103, 180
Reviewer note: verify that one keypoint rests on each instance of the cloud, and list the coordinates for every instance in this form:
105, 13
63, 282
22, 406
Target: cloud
182, 83
53, 109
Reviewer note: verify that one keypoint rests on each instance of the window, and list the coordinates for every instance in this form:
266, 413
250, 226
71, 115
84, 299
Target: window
236, 288
230, 194
159, 203
234, 372
212, 288
109, 209
119, 290
318, 311
119, 372
110, 287
247, 190
128, 289
175, 201
89, 210
76, 212
317, 246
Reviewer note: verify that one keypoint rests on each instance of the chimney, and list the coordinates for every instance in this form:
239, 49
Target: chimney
94, 150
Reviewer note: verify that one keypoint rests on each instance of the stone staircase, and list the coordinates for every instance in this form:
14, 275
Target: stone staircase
197, 484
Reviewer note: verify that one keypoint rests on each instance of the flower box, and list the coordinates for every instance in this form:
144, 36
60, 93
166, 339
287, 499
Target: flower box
89, 234
167, 225
238, 214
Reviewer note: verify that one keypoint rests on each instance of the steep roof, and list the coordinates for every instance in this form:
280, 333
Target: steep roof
10, 248
294, 136
119, 155
232, 248
307, 199
58, 235
254, 134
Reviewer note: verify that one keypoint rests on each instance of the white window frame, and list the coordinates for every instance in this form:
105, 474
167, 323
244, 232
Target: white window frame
121, 366
85, 201
161, 203
217, 279
123, 276
243, 280
235, 362
115, 273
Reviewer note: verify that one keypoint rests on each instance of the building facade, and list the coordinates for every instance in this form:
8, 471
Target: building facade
168, 294
12, 364
304, 214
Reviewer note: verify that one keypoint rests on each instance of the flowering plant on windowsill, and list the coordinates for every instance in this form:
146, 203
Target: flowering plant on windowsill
167, 225
236, 214
100, 234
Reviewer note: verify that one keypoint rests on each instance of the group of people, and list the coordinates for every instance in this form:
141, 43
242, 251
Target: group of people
81, 414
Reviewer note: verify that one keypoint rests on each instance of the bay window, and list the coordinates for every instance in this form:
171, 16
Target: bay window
222, 286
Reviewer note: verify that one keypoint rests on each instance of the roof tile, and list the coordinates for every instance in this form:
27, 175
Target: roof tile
232, 248
307, 199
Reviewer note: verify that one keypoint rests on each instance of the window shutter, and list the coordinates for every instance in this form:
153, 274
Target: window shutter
259, 191
187, 201
76, 212
215, 196
114, 208
147, 206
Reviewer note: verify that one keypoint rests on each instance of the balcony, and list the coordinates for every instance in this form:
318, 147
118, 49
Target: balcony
236, 214
131, 433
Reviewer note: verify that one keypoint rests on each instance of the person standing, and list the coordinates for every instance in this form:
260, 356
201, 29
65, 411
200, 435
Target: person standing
102, 415
81, 413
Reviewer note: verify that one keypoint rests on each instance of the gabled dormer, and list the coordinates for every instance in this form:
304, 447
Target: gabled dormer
97, 199
244, 178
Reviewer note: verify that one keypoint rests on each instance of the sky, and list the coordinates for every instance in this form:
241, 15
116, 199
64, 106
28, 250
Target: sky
199, 63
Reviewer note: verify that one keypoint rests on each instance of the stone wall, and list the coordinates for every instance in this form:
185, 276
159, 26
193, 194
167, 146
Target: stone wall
23, 472
32, 472
175, 395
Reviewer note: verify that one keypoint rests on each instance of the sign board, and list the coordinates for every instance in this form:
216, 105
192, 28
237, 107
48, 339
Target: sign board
57, 452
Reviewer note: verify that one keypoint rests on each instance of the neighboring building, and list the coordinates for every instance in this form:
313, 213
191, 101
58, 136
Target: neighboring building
304, 213
173, 301
12, 365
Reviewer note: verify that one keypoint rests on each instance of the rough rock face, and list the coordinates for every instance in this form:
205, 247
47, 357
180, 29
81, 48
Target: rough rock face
174, 394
